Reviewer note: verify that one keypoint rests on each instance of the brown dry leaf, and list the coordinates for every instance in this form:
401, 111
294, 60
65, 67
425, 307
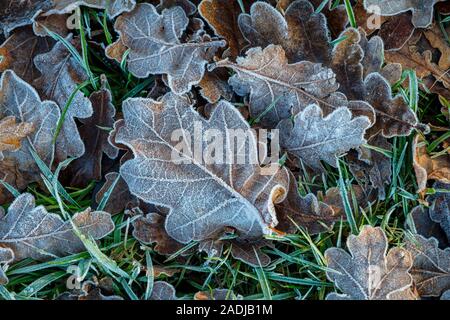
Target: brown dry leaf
60, 76
278, 89
14, 13
217, 294
156, 46
116, 50
89, 291
369, 272
372, 168
417, 55
120, 197
214, 86
437, 40
357, 196
240, 196
222, 16
302, 33
12, 134
396, 31
94, 133
431, 267
304, 211
149, 228
394, 116
57, 23
250, 252
428, 168
19, 50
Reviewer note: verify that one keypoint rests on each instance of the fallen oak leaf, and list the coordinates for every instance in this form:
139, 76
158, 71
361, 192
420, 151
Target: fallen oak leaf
428, 168
19, 50
90, 291
269, 79
14, 14
155, 46
217, 294
440, 206
304, 211
60, 76
56, 23
369, 272
163, 291
18, 99
301, 32
431, 267
243, 197
222, 16
32, 232
311, 137
394, 116
188, 7
12, 133
93, 132
419, 222
6, 256
120, 197
149, 228
214, 86
113, 7
418, 55
371, 167
422, 10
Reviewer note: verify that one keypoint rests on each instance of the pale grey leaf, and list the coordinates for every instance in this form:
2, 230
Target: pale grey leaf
204, 196
369, 272
446, 295
311, 137
440, 206
156, 47
163, 291
32, 232
421, 223
431, 267
19, 99
14, 13
6, 256
113, 7
422, 10
60, 76
269, 79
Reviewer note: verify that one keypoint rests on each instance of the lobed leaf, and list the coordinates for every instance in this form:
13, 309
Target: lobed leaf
32, 232
155, 46
204, 196
369, 272
311, 137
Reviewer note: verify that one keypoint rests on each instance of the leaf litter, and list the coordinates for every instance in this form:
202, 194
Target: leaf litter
102, 101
